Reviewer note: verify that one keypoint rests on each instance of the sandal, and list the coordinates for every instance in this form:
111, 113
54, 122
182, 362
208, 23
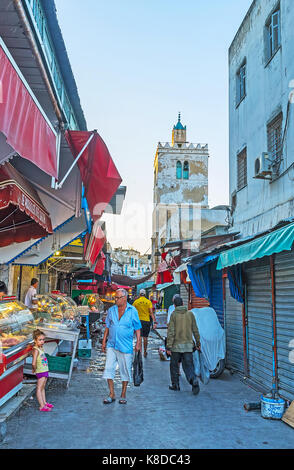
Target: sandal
122, 401
108, 400
45, 409
49, 405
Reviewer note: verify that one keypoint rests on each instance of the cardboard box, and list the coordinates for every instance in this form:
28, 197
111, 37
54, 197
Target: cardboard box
288, 416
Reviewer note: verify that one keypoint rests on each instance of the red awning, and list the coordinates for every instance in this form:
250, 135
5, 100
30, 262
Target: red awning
95, 244
21, 121
98, 172
99, 268
22, 214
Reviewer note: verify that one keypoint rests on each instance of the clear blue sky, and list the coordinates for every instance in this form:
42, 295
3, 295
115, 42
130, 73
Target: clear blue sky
137, 63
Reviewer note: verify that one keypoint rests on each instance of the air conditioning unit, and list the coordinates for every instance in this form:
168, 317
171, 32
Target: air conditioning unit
263, 167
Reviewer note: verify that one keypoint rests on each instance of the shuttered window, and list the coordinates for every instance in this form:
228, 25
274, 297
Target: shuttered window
179, 170
274, 138
273, 28
241, 83
242, 169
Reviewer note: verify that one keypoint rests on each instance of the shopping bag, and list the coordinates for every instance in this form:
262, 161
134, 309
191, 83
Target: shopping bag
138, 376
204, 371
196, 361
200, 368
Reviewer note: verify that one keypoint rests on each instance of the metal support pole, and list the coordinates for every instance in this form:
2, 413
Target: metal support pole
274, 328
58, 144
59, 185
244, 340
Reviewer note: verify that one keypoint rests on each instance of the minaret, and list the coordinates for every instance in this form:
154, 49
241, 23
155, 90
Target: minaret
179, 132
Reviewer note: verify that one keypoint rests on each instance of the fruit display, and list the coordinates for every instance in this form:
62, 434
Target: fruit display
94, 303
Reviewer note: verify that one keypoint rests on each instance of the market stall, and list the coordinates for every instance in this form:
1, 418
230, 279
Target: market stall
55, 325
16, 327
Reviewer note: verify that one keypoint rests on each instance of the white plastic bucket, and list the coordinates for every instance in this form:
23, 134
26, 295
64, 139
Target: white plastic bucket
272, 408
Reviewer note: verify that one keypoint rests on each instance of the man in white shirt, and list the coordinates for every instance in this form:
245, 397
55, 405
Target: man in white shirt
31, 300
171, 308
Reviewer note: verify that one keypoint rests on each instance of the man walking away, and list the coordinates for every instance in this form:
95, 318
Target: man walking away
181, 329
145, 311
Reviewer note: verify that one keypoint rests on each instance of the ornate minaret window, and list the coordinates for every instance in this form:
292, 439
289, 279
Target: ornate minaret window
179, 170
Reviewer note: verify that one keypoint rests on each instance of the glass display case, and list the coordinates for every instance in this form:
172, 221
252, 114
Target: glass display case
16, 342
49, 312
16, 325
67, 305
94, 303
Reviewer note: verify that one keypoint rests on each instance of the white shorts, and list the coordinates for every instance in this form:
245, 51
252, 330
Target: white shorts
124, 362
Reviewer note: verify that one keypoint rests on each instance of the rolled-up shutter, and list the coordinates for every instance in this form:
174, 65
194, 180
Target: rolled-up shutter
259, 311
184, 293
197, 302
284, 280
216, 294
234, 332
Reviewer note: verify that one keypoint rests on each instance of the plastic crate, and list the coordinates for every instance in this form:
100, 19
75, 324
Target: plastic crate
84, 352
58, 364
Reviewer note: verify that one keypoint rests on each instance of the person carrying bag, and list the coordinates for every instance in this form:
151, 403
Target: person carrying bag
138, 375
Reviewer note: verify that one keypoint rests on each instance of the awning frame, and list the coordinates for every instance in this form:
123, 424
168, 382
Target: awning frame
27, 86
59, 185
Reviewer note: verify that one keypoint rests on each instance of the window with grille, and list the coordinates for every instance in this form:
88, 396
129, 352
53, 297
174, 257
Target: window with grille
241, 83
273, 30
242, 169
274, 138
186, 171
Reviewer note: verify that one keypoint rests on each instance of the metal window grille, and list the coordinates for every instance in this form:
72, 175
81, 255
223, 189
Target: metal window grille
241, 83
242, 169
274, 137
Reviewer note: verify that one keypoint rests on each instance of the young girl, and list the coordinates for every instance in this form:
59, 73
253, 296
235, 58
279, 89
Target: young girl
40, 368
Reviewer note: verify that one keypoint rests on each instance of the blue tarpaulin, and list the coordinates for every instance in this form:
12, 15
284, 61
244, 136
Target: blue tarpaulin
236, 283
200, 281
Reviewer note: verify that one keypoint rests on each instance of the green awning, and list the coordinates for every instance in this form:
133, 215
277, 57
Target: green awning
275, 242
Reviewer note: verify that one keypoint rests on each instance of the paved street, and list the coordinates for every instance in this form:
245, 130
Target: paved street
154, 417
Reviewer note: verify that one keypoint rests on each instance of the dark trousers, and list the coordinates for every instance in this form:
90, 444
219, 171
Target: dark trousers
188, 366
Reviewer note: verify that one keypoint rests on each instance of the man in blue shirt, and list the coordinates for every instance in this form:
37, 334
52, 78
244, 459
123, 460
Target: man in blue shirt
121, 322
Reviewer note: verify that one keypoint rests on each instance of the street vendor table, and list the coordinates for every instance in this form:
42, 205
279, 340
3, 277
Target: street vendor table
65, 334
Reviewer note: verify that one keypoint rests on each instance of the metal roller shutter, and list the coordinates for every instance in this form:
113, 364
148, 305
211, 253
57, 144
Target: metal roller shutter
284, 280
184, 293
234, 332
216, 297
259, 312
197, 302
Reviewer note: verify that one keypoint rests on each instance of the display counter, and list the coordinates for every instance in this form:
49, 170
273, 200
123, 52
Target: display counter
55, 311
68, 306
52, 317
16, 328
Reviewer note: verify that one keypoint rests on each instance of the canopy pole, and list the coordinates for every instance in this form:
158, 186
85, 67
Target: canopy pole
274, 329
58, 145
59, 185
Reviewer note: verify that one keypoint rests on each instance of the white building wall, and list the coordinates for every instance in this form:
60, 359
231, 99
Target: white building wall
261, 204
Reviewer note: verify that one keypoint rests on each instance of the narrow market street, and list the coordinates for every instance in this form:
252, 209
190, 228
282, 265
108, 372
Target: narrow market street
153, 418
